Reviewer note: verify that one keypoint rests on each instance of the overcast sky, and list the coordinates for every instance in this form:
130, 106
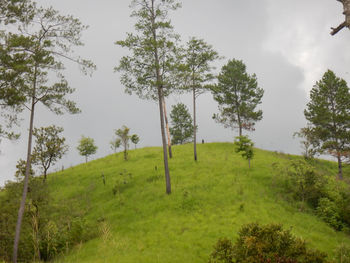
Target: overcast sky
286, 43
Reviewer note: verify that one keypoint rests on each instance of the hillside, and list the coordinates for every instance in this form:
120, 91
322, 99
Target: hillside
210, 199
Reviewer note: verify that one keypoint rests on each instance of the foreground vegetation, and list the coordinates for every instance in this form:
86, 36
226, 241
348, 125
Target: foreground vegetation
129, 219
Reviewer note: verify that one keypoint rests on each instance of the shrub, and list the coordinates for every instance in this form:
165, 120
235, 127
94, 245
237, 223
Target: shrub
269, 243
343, 254
328, 211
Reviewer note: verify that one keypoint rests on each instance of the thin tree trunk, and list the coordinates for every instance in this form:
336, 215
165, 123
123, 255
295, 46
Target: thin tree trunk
165, 153
160, 101
167, 130
86, 158
45, 175
249, 163
26, 181
125, 155
340, 168
194, 126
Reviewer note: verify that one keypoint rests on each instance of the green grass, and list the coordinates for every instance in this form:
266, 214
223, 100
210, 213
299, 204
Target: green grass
210, 199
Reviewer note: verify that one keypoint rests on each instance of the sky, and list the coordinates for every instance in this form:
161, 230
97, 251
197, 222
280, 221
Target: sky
285, 43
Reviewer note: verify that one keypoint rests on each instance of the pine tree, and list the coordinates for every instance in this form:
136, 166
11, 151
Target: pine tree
150, 71
238, 95
182, 127
328, 113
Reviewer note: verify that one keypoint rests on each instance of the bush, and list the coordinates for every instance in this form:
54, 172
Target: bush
328, 211
343, 254
269, 243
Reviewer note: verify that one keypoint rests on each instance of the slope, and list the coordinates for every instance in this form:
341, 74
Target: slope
138, 222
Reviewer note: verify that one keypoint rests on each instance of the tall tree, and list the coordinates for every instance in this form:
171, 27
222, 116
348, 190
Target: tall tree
12, 62
346, 23
86, 147
329, 115
198, 58
181, 121
149, 70
50, 39
124, 137
49, 147
238, 95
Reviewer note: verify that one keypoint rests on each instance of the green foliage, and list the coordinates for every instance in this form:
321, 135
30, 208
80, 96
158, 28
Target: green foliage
21, 170
115, 144
86, 147
152, 67
181, 121
328, 113
135, 139
49, 147
305, 182
267, 243
328, 211
238, 95
244, 146
124, 138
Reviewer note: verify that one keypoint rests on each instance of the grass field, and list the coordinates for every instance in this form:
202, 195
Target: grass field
210, 199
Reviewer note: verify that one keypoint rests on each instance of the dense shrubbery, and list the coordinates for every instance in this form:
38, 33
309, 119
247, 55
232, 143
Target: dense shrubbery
328, 197
48, 229
269, 243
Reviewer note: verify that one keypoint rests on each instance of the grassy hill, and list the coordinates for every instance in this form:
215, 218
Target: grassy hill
210, 199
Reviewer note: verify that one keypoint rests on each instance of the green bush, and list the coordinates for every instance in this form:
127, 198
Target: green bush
329, 212
269, 243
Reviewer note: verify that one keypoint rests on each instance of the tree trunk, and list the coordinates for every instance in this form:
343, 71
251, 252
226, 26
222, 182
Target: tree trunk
26, 181
165, 153
125, 155
167, 130
249, 163
340, 168
160, 101
86, 158
194, 126
45, 175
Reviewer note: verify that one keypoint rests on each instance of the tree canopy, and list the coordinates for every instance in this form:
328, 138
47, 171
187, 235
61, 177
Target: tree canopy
238, 95
181, 121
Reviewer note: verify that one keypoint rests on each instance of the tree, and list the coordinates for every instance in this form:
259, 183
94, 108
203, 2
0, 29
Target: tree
181, 121
49, 147
238, 95
21, 170
329, 115
86, 147
135, 139
346, 23
50, 39
124, 138
150, 71
12, 62
308, 142
198, 58
244, 146
115, 144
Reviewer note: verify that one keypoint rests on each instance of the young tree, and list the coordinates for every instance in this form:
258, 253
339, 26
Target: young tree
329, 115
238, 95
49, 147
135, 139
124, 137
198, 58
21, 170
149, 71
115, 144
244, 146
50, 39
346, 23
86, 147
181, 121
309, 143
